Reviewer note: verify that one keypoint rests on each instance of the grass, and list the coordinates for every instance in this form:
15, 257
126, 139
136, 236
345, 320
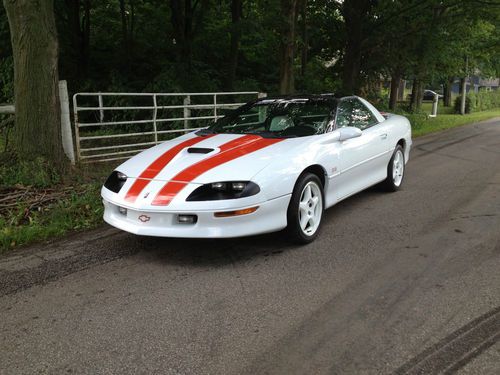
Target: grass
50, 206
81, 207
78, 210
423, 124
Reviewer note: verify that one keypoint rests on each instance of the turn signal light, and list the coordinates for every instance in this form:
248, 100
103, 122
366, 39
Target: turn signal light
244, 211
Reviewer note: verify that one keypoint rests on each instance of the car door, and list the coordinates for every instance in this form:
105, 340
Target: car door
362, 159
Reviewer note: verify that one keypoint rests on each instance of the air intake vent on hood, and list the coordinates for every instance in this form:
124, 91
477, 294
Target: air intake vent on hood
199, 150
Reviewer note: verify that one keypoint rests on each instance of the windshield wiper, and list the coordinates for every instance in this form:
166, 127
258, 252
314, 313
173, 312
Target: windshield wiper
264, 134
269, 134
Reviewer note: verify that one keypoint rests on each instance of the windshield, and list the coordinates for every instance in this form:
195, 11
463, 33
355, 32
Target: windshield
277, 118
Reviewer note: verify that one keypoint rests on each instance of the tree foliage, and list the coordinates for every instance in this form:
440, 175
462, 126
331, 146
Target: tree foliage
348, 46
185, 45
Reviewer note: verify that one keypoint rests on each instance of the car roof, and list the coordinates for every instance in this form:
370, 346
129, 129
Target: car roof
332, 98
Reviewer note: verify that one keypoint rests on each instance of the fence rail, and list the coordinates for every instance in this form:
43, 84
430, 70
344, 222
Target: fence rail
93, 134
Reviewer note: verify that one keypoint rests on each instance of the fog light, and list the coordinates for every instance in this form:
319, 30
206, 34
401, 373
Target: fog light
187, 219
122, 210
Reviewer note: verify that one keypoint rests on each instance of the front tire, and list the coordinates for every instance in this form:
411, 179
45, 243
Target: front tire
395, 170
305, 211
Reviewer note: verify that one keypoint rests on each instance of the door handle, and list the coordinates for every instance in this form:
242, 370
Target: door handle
383, 136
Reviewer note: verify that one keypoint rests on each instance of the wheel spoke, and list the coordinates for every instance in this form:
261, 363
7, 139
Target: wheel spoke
312, 222
307, 194
304, 219
303, 207
314, 201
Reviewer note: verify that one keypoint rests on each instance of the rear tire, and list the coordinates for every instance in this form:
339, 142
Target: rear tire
395, 170
305, 211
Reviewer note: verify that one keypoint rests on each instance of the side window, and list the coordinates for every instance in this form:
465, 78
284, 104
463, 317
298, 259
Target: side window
362, 117
344, 114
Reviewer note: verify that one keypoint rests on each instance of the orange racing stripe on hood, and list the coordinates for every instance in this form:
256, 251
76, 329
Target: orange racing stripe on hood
173, 187
155, 167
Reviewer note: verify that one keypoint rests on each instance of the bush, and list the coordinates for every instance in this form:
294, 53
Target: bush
484, 100
479, 101
37, 173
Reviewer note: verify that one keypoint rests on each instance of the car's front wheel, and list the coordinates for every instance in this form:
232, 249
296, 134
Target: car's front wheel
395, 170
305, 211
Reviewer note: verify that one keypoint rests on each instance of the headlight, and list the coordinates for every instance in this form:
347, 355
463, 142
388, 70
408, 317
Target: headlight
224, 190
115, 181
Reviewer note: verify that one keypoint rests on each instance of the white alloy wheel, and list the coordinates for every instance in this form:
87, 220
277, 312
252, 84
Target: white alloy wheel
398, 167
310, 208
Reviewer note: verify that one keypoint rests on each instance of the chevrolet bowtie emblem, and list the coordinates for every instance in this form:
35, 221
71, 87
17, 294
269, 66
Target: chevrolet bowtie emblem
144, 218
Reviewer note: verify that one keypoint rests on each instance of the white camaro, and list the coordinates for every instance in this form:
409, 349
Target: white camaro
271, 164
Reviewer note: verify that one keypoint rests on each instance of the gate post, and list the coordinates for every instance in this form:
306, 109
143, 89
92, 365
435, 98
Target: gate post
187, 111
67, 137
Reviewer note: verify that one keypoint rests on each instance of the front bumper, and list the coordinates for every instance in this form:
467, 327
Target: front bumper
269, 217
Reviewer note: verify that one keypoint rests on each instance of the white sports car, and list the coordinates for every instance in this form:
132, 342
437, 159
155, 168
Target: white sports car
271, 164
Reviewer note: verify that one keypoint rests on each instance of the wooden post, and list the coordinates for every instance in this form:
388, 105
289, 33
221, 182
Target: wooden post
67, 137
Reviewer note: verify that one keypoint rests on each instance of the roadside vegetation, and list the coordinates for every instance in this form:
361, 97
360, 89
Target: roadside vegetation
37, 204
422, 124
480, 106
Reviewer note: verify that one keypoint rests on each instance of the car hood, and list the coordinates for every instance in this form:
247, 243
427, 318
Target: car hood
166, 173
204, 159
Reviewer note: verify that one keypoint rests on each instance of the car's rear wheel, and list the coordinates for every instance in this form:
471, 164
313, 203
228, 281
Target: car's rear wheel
305, 211
395, 170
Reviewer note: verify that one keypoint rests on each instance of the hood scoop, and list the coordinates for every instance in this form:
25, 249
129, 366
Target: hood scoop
199, 150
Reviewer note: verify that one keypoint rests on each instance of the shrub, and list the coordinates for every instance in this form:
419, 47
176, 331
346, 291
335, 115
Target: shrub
479, 101
38, 172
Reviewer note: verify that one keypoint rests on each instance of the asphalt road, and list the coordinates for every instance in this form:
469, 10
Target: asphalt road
407, 282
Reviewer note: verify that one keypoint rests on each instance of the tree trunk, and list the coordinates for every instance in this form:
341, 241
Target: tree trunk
186, 23
420, 96
85, 44
236, 13
416, 95
305, 39
447, 92
463, 95
176, 7
354, 13
79, 29
73, 13
131, 28
287, 46
125, 38
395, 83
33, 33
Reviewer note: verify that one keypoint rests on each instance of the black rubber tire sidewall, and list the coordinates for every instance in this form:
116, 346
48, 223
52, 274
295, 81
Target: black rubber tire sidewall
389, 182
294, 231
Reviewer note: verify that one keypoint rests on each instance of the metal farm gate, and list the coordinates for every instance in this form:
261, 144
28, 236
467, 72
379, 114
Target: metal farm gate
114, 126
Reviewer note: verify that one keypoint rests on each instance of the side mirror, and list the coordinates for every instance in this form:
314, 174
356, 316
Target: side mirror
349, 132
